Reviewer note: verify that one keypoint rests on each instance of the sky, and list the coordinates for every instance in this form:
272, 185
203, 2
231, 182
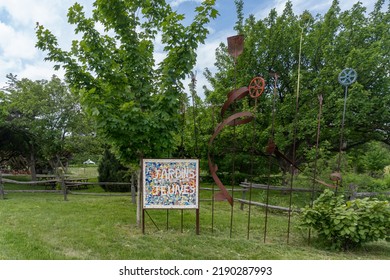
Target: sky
19, 56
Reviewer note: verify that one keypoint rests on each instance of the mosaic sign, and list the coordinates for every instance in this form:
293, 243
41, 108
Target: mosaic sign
170, 183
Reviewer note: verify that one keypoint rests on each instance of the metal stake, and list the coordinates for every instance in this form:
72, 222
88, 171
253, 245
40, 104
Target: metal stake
320, 99
346, 78
275, 91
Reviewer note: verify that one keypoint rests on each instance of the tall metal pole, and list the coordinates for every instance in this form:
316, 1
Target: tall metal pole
235, 48
212, 191
251, 177
320, 99
346, 78
275, 92
342, 128
193, 92
256, 88
295, 135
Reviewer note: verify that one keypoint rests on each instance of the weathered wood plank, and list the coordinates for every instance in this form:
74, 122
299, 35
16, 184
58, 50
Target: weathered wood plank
5, 180
33, 191
369, 194
275, 188
269, 206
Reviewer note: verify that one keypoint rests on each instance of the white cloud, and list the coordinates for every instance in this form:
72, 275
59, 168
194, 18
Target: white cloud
314, 7
26, 12
175, 3
206, 59
18, 54
40, 70
16, 44
9, 66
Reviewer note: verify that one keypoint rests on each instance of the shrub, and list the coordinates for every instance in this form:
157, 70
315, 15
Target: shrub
344, 225
111, 170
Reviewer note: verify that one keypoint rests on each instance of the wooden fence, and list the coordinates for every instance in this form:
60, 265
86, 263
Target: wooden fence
69, 183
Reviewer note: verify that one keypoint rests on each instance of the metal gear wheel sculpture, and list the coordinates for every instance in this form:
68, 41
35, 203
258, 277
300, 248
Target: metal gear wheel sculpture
347, 77
256, 87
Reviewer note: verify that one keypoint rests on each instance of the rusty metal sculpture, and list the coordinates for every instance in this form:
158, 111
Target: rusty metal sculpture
255, 90
235, 119
235, 48
235, 45
256, 87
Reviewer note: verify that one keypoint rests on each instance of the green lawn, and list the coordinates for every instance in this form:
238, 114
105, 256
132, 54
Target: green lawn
44, 227
87, 171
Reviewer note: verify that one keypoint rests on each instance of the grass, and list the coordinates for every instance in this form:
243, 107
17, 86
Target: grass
88, 227
89, 171
43, 226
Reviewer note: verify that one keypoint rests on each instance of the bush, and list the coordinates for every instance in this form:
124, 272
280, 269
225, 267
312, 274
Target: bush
367, 183
344, 225
111, 170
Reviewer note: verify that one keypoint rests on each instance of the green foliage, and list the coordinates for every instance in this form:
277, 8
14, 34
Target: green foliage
43, 121
111, 170
367, 183
131, 96
344, 225
376, 158
14, 142
3, 111
330, 43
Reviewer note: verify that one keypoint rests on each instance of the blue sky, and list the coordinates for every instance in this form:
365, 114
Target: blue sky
19, 56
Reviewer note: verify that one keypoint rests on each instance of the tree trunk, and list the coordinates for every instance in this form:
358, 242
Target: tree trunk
32, 165
133, 199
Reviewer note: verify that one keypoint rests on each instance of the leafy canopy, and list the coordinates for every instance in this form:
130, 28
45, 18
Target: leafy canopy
42, 118
330, 43
134, 99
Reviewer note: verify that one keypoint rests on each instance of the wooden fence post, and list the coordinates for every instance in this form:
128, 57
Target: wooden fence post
352, 191
64, 188
139, 195
133, 200
243, 196
1, 186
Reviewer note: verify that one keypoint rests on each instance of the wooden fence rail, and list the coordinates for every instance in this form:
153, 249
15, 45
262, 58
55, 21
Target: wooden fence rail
32, 191
255, 203
276, 188
243, 187
66, 184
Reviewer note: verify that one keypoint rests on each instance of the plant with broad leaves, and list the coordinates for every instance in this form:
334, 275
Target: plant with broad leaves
344, 225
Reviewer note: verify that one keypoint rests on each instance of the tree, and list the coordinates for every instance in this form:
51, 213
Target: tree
15, 146
135, 102
376, 158
3, 112
330, 43
111, 170
47, 113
